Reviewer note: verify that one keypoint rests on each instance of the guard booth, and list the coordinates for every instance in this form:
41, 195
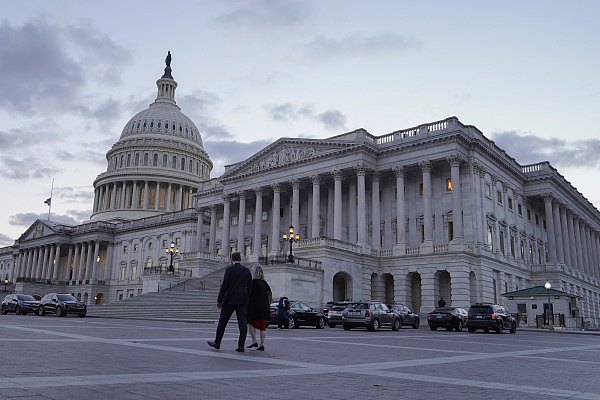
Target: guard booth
531, 306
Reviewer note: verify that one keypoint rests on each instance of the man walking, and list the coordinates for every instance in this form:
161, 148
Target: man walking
234, 296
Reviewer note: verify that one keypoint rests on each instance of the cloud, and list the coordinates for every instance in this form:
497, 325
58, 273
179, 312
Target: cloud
46, 66
81, 194
527, 148
266, 14
331, 119
20, 138
29, 167
73, 217
227, 152
6, 240
359, 45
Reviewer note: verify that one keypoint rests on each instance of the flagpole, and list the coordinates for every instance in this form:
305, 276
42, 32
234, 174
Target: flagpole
50, 205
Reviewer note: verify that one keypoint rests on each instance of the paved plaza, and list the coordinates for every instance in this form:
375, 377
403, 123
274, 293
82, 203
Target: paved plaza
97, 358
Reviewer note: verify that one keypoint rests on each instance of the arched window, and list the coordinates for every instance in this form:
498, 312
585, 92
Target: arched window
182, 164
173, 125
180, 128
145, 159
165, 161
155, 160
151, 124
138, 125
174, 163
116, 162
166, 125
197, 168
190, 167
128, 160
137, 159
121, 162
144, 124
159, 124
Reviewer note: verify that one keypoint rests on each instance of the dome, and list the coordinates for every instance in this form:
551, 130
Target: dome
162, 119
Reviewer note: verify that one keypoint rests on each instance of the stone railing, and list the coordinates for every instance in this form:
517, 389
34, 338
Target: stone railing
204, 256
384, 253
537, 268
441, 248
413, 251
323, 241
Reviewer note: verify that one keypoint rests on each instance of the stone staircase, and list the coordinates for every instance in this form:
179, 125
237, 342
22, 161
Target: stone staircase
194, 299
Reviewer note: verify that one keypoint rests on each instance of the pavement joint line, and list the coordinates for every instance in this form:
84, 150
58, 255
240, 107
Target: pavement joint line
565, 360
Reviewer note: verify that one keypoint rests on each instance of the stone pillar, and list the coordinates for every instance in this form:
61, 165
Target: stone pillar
212, 243
88, 262
427, 245
94, 276
47, 274
551, 235
577, 233
67, 274
257, 225
588, 249
361, 171
157, 196
400, 212
76, 260
241, 232
572, 246
226, 225
352, 212
457, 222
81, 265
564, 229
328, 231
583, 246
560, 253
43, 262
316, 206
376, 210
337, 206
429, 301
275, 219
296, 203
57, 263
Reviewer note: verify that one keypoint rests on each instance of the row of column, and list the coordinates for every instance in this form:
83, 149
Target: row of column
571, 240
44, 262
136, 194
357, 211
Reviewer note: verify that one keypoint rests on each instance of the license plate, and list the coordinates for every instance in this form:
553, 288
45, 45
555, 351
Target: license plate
479, 316
354, 312
335, 312
439, 316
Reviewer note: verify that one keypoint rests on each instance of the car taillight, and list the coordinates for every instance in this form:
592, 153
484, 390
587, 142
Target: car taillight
367, 313
428, 315
343, 312
494, 315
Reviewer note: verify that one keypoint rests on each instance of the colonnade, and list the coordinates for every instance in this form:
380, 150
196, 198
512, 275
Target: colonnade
124, 195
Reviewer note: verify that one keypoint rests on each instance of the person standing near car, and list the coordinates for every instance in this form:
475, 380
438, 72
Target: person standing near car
258, 307
441, 302
282, 314
234, 296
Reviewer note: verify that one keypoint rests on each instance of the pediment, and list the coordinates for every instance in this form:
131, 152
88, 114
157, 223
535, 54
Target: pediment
285, 152
37, 230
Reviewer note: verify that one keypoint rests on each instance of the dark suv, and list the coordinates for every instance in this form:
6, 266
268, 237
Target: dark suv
490, 316
371, 315
61, 305
20, 304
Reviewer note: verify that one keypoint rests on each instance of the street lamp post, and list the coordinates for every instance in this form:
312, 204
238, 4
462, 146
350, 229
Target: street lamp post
5, 283
291, 238
172, 250
550, 316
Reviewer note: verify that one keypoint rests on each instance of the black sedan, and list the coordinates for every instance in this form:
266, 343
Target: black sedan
447, 317
407, 317
299, 314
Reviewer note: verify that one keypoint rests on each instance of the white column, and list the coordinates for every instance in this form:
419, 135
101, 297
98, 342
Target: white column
376, 210
241, 233
560, 254
564, 229
168, 198
571, 238
213, 229
157, 195
226, 225
88, 262
316, 206
361, 171
337, 206
583, 245
296, 203
352, 212
95, 262
67, 273
76, 259
257, 225
457, 222
146, 195
275, 219
427, 212
551, 235
577, 231
56, 264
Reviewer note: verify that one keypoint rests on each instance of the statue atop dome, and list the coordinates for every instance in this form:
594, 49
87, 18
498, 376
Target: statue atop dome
167, 73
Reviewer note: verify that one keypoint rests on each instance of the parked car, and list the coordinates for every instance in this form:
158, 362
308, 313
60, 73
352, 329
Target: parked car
447, 317
490, 316
20, 304
299, 314
371, 315
407, 317
62, 304
335, 313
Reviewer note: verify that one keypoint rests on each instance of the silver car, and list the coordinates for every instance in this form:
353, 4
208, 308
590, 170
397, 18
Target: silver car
371, 315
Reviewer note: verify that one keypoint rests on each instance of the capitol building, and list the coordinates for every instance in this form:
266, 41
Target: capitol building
435, 210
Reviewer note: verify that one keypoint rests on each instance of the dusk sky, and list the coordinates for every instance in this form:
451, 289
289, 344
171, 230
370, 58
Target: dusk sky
72, 73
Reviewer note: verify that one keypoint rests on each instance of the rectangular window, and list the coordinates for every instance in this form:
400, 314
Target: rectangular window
178, 242
510, 204
448, 185
422, 233
234, 220
124, 249
123, 269
136, 247
281, 212
499, 196
265, 216
450, 230
520, 209
420, 189
537, 220
544, 222
528, 215
396, 194
502, 243
133, 272
488, 190
249, 218
164, 244
490, 238
220, 222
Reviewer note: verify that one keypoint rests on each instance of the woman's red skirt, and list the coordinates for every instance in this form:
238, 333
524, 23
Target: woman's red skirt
259, 324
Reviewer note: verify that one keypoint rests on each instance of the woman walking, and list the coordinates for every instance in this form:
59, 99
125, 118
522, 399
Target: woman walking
258, 308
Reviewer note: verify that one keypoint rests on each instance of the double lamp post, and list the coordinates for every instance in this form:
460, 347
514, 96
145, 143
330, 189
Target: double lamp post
292, 239
170, 251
